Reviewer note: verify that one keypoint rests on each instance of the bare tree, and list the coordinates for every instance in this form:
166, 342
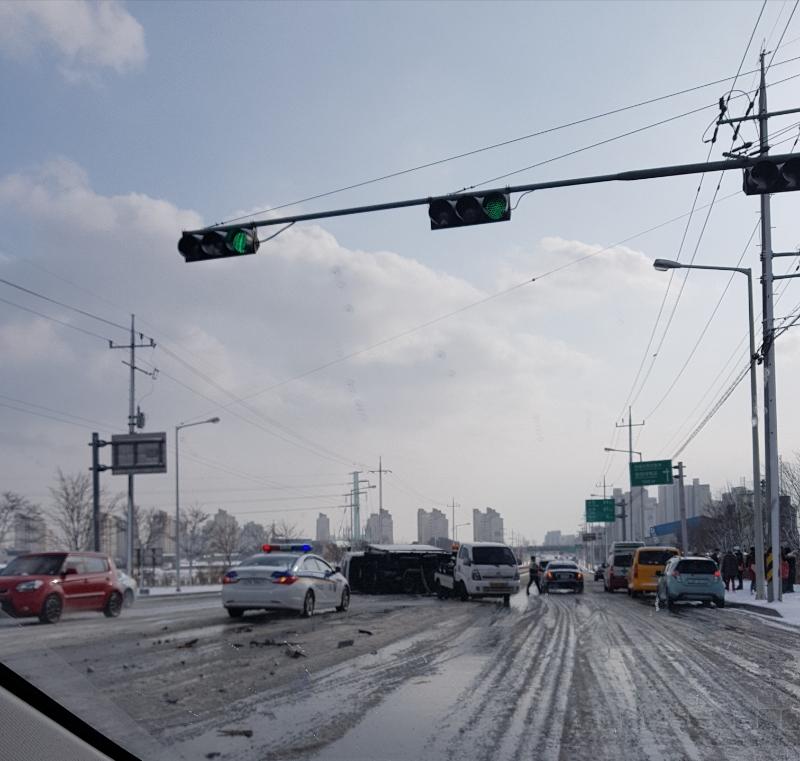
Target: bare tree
251, 538
282, 530
223, 535
193, 539
72, 509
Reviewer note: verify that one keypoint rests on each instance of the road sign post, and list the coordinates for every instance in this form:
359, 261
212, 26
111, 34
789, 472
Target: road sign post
600, 511
651, 472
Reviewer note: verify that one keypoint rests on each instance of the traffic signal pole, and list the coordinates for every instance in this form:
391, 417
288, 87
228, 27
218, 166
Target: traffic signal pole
770, 406
629, 176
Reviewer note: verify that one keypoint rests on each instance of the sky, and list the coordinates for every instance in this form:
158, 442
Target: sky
488, 365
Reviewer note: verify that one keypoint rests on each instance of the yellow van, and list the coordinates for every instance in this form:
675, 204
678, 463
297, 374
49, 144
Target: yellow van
647, 562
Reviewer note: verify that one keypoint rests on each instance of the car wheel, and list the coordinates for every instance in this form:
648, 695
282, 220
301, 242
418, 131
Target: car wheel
128, 598
462, 591
706, 603
345, 604
113, 606
308, 605
51, 609
506, 601
720, 603
630, 592
235, 612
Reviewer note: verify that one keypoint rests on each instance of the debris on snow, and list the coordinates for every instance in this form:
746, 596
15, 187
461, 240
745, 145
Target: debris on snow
235, 732
189, 643
345, 643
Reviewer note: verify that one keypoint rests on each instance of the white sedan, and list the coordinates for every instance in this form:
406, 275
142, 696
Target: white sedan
284, 577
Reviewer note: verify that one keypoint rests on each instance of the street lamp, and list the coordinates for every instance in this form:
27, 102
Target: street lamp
624, 451
456, 528
178, 499
665, 264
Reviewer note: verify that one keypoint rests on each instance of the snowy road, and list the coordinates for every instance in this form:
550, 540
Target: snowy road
596, 676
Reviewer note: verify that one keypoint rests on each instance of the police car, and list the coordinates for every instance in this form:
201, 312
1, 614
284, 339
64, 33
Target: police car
284, 577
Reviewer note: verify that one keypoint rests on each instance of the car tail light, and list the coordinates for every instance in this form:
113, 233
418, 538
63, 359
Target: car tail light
286, 578
717, 573
230, 578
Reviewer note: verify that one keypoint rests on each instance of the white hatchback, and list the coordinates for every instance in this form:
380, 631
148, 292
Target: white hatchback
284, 577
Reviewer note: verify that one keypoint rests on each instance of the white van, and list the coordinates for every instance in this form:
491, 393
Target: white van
484, 569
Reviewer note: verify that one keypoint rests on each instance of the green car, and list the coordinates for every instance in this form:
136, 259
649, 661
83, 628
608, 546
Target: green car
690, 579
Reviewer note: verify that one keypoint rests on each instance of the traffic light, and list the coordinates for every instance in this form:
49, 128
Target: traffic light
469, 210
772, 177
218, 244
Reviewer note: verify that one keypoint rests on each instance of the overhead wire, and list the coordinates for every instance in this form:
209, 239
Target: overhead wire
56, 320
482, 149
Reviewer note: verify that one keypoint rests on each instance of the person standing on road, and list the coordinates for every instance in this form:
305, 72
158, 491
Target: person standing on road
739, 569
533, 576
751, 569
784, 568
792, 558
715, 556
728, 569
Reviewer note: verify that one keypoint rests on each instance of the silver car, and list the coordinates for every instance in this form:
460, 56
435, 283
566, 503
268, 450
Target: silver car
130, 586
284, 577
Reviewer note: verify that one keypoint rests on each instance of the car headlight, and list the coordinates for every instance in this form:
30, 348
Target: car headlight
29, 586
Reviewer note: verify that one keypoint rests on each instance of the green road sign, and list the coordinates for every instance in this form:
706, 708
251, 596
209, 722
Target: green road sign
651, 472
600, 511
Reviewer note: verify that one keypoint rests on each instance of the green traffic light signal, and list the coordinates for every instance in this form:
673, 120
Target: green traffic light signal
495, 206
466, 210
216, 244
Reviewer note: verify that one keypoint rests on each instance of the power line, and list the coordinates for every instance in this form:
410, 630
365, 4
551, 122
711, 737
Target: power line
56, 320
62, 304
493, 146
706, 326
783, 33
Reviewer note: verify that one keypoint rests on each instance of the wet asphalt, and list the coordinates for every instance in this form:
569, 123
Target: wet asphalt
561, 676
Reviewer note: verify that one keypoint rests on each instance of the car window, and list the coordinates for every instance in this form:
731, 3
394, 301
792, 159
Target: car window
95, 565
463, 553
655, 557
274, 561
493, 556
76, 562
698, 566
324, 566
562, 566
622, 559
33, 565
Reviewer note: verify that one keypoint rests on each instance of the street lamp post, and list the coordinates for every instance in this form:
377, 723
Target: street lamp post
456, 528
178, 498
758, 518
641, 488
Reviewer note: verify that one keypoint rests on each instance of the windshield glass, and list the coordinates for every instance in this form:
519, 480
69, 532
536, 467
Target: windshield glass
402, 289
697, 566
275, 561
655, 557
32, 565
493, 556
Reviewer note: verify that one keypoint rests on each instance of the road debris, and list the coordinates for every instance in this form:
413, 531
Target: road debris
295, 651
345, 643
235, 732
189, 643
365, 631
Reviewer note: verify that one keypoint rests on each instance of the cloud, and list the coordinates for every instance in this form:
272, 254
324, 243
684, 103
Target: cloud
84, 36
30, 342
469, 399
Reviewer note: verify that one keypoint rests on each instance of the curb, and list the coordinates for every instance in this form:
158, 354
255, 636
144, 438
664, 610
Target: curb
760, 609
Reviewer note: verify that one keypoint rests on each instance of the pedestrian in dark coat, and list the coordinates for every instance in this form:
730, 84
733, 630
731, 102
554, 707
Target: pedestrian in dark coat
533, 577
728, 569
792, 558
739, 569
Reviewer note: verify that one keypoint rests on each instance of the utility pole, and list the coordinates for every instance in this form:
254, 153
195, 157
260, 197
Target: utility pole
132, 421
770, 406
453, 507
682, 507
380, 471
630, 426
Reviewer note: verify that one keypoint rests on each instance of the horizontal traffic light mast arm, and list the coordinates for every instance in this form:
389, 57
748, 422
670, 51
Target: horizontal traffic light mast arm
635, 174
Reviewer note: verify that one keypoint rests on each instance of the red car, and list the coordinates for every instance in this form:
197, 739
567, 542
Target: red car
47, 583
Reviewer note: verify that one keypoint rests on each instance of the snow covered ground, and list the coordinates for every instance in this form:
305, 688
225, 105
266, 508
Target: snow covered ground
788, 608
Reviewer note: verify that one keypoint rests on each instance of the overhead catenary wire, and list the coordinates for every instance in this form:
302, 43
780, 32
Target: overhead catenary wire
56, 320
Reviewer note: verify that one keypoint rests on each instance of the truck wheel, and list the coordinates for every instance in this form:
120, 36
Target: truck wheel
506, 601
462, 591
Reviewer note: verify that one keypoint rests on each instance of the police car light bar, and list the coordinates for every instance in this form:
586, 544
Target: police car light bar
286, 547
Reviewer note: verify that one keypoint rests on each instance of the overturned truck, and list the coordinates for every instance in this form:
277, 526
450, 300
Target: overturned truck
394, 568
